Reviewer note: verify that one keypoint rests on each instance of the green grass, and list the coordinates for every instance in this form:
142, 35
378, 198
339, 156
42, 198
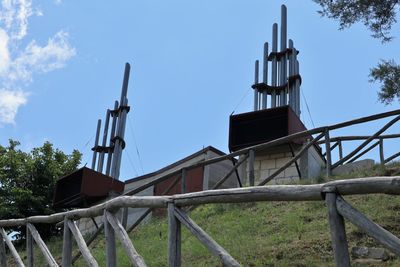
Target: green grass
259, 234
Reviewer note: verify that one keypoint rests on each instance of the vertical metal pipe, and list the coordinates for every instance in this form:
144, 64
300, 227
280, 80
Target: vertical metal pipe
125, 82
104, 143
291, 71
274, 66
297, 89
256, 72
96, 142
112, 135
265, 75
283, 73
116, 163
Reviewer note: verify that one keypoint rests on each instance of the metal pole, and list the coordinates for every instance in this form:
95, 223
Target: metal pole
256, 71
96, 142
116, 163
274, 66
125, 82
265, 75
283, 77
112, 135
104, 143
297, 87
291, 71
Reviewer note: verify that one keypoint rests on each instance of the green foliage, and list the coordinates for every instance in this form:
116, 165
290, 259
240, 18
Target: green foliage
388, 74
378, 16
27, 181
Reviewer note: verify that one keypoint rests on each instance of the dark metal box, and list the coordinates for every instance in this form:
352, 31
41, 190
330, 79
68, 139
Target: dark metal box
252, 128
83, 188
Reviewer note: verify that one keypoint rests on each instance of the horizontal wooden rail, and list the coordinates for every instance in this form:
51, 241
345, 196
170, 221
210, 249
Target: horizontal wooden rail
372, 185
358, 137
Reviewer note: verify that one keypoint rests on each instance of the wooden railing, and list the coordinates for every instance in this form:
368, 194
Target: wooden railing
247, 156
331, 193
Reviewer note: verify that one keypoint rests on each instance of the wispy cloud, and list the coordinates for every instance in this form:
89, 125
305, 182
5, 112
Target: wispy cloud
19, 64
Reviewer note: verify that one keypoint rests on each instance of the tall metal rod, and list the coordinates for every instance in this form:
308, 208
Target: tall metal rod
116, 163
274, 62
291, 71
256, 71
283, 75
125, 82
104, 143
265, 75
297, 86
96, 143
112, 135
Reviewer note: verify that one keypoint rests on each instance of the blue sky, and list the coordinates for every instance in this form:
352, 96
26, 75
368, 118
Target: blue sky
61, 67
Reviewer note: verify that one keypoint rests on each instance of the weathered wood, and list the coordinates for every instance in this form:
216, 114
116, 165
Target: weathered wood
340, 149
236, 172
366, 142
359, 137
42, 246
250, 167
295, 162
3, 255
328, 154
89, 241
29, 248
12, 249
332, 147
205, 239
381, 235
125, 217
392, 157
111, 248
183, 181
67, 246
148, 211
338, 232
356, 157
174, 238
90, 260
122, 235
290, 162
231, 171
381, 153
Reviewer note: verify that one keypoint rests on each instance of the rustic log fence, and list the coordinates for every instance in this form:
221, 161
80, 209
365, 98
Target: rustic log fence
112, 227
331, 193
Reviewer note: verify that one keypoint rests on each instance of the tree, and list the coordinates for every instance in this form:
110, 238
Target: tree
27, 182
378, 16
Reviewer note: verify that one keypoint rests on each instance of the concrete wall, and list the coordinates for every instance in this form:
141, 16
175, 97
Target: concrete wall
215, 172
266, 162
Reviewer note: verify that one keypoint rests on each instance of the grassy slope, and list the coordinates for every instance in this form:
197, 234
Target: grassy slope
261, 234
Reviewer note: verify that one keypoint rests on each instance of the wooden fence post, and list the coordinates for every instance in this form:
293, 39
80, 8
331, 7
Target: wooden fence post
174, 238
111, 248
3, 256
340, 149
338, 231
381, 154
183, 181
29, 247
328, 154
67, 246
251, 167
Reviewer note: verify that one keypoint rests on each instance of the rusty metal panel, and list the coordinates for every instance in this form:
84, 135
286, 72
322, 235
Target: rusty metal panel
84, 187
194, 183
252, 128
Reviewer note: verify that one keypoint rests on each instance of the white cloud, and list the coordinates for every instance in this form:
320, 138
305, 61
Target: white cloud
10, 101
17, 64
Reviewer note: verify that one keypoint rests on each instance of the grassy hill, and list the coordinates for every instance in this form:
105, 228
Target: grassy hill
260, 234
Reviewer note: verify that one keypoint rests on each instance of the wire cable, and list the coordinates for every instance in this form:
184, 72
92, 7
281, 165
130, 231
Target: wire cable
246, 93
136, 146
308, 109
